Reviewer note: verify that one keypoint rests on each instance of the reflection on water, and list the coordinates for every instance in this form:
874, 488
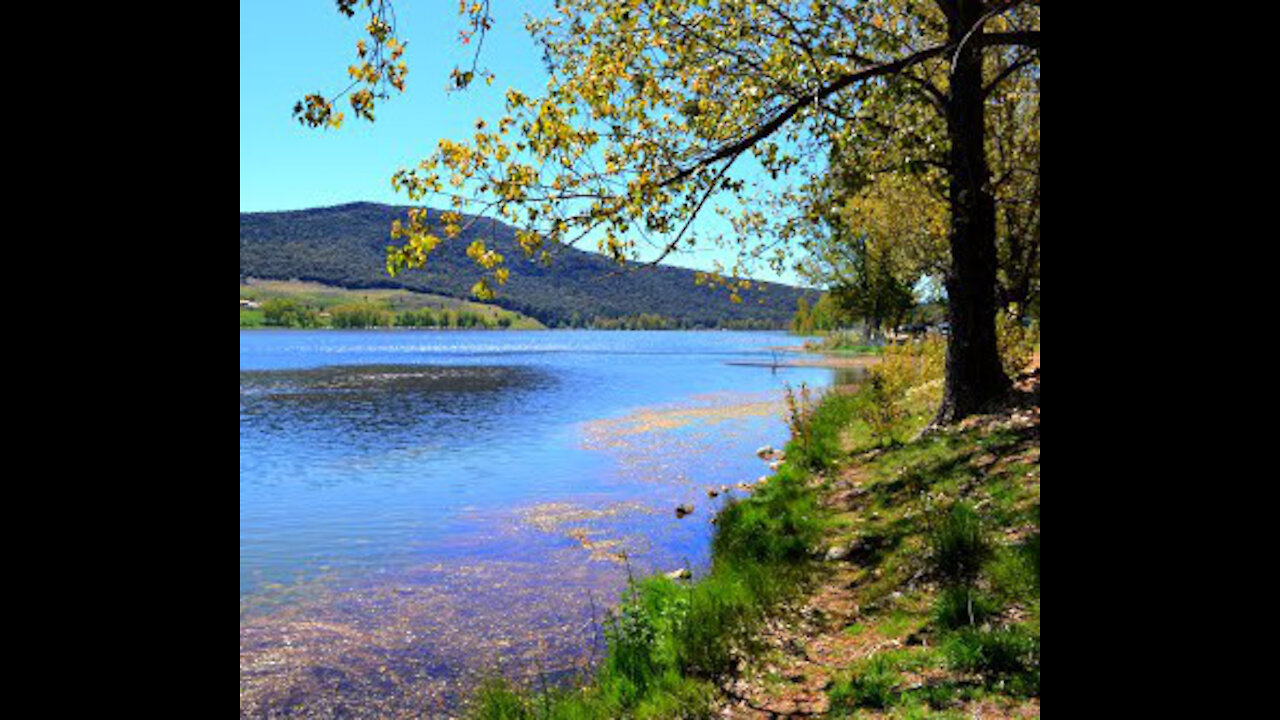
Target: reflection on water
416, 508
397, 405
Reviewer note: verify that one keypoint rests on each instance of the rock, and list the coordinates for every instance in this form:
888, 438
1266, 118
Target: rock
776, 465
837, 553
765, 452
681, 574
916, 639
712, 492
683, 510
984, 461
1022, 422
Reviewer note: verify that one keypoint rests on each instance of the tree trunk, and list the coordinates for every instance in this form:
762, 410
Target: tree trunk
975, 376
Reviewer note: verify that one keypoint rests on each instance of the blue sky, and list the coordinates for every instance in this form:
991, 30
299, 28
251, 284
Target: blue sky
289, 48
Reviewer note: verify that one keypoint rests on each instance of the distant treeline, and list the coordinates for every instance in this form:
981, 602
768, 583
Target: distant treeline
289, 313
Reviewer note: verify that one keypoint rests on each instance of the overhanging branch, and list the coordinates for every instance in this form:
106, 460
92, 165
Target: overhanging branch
1025, 38
773, 125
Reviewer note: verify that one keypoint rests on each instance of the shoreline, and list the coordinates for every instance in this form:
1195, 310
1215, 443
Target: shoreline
825, 596
826, 553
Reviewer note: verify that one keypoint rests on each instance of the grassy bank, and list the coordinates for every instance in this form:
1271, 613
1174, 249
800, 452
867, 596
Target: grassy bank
900, 574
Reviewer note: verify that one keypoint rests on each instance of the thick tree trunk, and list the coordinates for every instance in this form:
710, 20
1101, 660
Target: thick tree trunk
974, 373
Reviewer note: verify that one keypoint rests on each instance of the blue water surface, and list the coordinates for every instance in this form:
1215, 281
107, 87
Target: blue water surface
364, 453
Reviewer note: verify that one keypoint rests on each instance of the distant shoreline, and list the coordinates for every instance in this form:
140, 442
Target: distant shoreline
294, 304
259, 328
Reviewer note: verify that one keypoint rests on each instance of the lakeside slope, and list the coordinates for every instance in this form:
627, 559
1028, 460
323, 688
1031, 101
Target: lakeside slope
881, 572
884, 630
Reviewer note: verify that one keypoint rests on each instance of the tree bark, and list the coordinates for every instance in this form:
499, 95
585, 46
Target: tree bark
975, 376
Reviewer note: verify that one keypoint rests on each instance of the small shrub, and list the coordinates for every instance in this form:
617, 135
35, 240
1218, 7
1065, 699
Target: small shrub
800, 410
873, 685
959, 545
882, 409
962, 606
938, 696
893, 387
1003, 654
1015, 571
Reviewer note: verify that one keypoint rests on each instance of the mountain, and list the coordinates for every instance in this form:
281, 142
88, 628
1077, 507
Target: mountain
346, 246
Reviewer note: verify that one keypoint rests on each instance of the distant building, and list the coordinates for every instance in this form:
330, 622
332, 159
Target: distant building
248, 304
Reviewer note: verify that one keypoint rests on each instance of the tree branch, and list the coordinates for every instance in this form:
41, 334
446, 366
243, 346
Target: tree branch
1025, 38
1005, 73
772, 126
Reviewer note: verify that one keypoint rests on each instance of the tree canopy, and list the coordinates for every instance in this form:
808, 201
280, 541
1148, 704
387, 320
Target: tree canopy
868, 236
657, 111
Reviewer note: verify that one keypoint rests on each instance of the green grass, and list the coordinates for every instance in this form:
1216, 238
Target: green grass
818, 443
949, 526
1007, 655
931, 513
873, 685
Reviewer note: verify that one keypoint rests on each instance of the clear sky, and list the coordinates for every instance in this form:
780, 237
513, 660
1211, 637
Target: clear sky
289, 48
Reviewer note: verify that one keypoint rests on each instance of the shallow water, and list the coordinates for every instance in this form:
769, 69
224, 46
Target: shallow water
418, 507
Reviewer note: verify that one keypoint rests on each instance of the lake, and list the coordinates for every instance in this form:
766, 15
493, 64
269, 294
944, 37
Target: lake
420, 508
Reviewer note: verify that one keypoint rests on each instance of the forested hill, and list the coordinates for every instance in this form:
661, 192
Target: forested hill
346, 246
